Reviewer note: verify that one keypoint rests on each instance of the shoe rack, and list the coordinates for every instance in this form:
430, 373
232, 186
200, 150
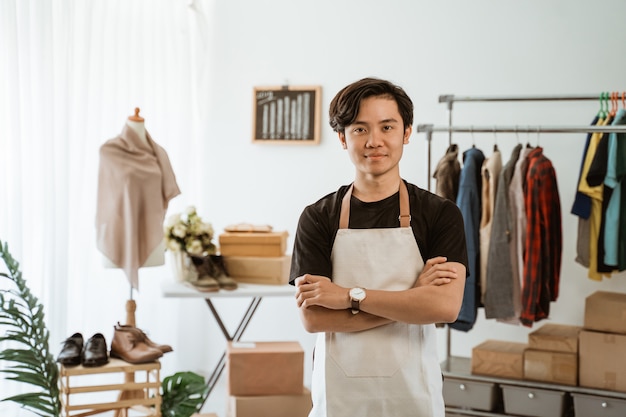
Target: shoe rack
74, 381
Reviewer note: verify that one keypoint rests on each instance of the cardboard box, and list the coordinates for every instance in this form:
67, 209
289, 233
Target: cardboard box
499, 358
601, 361
555, 338
265, 368
253, 243
605, 311
259, 269
555, 367
297, 405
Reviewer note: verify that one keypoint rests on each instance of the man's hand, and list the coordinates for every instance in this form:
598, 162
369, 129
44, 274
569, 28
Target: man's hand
437, 271
317, 290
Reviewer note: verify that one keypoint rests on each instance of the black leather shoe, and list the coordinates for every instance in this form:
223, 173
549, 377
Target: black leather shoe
95, 351
71, 352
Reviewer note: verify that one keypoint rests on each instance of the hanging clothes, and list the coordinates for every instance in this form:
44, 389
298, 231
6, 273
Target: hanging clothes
543, 248
469, 201
596, 195
613, 181
502, 298
490, 172
582, 208
518, 216
596, 176
447, 173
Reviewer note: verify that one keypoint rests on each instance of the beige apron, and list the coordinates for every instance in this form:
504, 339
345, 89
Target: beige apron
392, 370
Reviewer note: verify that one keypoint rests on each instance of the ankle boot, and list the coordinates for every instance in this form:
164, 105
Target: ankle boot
127, 346
143, 337
220, 273
206, 282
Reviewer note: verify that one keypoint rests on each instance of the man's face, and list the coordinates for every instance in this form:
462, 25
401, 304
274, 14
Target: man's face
376, 138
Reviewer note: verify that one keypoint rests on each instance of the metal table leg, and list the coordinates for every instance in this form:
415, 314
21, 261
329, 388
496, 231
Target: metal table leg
236, 336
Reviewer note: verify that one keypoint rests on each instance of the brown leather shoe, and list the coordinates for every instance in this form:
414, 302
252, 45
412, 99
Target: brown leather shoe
127, 346
143, 337
95, 351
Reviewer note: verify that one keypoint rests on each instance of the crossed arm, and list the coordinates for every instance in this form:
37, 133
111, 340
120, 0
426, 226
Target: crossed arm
436, 297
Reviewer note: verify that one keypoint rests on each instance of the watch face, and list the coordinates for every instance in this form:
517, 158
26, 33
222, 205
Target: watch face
357, 293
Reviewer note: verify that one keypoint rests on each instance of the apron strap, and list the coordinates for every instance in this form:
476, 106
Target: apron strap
405, 212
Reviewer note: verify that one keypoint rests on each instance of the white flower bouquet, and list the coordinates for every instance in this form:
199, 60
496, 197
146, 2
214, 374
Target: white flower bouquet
187, 232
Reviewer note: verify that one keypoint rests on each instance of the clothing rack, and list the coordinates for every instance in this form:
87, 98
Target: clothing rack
450, 99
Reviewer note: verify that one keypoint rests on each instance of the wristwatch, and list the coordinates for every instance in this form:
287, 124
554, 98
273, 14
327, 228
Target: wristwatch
357, 295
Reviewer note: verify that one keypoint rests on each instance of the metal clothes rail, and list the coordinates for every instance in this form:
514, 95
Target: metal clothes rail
450, 99
429, 129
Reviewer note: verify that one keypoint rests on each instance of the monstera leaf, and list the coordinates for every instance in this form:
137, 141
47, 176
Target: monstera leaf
183, 394
30, 361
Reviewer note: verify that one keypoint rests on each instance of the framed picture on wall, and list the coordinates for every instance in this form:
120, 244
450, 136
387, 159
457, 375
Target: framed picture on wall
287, 115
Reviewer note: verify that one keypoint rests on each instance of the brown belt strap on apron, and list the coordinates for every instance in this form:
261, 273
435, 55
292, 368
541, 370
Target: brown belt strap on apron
405, 214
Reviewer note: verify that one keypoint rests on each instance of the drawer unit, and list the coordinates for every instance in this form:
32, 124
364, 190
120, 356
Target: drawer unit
529, 401
476, 395
598, 406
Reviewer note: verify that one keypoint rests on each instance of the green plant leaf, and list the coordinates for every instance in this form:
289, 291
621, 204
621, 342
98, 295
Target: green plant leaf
183, 394
30, 362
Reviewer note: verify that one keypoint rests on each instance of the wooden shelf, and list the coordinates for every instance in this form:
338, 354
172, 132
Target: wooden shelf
143, 396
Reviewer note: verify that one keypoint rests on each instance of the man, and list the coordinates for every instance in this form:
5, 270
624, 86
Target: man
375, 265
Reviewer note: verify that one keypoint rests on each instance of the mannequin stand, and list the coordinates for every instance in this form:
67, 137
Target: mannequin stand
129, 378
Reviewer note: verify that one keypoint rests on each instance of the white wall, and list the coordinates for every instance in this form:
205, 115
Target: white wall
430, 48
459, 47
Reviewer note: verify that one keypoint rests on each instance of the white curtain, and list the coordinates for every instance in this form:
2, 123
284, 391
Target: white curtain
71, 72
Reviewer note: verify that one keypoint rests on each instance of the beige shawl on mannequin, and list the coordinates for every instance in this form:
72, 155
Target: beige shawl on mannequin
135, 184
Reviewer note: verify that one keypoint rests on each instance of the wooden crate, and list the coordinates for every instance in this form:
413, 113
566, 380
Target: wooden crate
141, 395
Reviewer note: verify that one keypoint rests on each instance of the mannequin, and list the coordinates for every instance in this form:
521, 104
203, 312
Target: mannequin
157, 257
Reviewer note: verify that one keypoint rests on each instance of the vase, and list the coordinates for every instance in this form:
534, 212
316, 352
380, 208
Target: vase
183, 267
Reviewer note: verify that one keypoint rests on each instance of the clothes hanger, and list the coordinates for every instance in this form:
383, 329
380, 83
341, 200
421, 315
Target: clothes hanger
614, 105
495, 140
473, 140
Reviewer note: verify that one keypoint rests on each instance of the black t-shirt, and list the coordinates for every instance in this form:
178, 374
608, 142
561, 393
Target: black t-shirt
437, 225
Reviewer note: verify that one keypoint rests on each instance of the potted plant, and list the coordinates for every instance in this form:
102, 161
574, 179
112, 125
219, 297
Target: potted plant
31, 361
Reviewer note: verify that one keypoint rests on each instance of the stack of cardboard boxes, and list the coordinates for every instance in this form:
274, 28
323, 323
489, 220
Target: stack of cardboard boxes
603, 342
587, 356
552, 354
256, 256
266, 379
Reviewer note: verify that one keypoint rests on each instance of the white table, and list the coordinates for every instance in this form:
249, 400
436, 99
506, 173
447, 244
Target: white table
256, 292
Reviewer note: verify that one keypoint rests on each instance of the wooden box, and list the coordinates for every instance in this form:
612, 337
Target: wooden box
265, 368
555, 338
259, 269
253, 243
605, 311
499, 358
554, 367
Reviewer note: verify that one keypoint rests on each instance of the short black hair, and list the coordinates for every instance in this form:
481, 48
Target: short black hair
344, 108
